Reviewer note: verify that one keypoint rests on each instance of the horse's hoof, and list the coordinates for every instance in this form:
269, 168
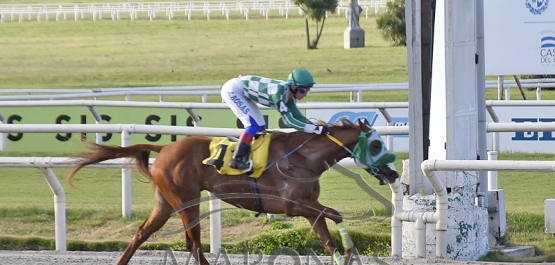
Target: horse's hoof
349, 256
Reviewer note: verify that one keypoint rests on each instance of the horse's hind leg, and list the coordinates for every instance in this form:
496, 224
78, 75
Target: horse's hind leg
159, 216
188, 216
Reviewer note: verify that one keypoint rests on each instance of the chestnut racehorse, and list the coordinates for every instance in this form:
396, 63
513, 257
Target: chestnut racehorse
288, 185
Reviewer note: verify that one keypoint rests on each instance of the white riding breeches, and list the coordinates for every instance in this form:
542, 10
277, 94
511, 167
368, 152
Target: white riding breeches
246, 110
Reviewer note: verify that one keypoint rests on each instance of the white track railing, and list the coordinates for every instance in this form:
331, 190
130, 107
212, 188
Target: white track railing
150, 10
204, 91
45, 165
495, 128
214, 90
189, 107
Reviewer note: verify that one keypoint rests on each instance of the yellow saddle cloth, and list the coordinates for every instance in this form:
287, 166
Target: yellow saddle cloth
221, 151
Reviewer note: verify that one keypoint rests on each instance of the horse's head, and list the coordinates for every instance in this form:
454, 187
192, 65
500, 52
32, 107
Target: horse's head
372, 155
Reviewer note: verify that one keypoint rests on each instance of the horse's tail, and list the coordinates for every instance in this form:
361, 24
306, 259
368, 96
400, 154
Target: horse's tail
99, 153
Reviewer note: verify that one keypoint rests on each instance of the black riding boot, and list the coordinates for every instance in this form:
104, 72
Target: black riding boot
241, 156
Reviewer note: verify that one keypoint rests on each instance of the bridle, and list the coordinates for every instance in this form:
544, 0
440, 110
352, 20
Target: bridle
361, 152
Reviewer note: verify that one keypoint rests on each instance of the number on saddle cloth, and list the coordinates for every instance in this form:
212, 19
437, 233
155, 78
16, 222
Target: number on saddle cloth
221, 152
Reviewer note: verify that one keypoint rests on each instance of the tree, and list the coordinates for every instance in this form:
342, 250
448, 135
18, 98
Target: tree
316, 11
392, 23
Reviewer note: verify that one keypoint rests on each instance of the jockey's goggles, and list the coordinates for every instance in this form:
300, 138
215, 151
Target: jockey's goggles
303, 89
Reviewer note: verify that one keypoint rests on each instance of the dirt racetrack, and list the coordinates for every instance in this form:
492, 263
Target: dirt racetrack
162, 257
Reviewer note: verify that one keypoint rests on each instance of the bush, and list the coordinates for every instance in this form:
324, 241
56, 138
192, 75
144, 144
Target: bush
539, 77
392, 23
300, 240
31, 243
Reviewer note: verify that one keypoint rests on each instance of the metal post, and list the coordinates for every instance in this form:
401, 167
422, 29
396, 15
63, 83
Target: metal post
59, 207
125, 180
215, 224
481, 95
3, 135
492, 175
500, 87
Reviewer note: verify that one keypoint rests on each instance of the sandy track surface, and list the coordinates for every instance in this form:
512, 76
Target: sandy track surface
162, 257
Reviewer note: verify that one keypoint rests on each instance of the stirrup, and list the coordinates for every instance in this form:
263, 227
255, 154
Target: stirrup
248, 169
235, 165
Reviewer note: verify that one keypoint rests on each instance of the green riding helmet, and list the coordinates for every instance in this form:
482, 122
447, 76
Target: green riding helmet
300, 77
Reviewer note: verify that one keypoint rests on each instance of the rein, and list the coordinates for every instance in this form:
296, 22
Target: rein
333, 139
359, 153
297, 148
291, 152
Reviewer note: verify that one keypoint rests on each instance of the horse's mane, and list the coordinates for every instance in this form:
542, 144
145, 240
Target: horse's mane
342, 123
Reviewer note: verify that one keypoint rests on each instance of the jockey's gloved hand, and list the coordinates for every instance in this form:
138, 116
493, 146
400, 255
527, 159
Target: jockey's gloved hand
321, 130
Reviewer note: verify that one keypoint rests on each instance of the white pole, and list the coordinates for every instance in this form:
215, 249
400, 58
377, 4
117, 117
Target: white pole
481, 96
59, 207
428, 167
420, 238
3, 135
492, 175
215, 224
125, 180
396, 223
3, 141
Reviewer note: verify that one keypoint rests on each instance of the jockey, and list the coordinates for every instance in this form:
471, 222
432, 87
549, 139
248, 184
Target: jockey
241, 95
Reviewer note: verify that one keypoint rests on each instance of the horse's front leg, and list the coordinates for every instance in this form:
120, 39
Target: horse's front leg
348, 244
321, 229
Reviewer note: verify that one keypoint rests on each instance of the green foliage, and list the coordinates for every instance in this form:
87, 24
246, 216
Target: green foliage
300, 240
31, 243
272, 241
369, 244
179, 246
280, 225
539, 77
524, 223
96, 246
392, 23
498, 256
316, 10
494, 255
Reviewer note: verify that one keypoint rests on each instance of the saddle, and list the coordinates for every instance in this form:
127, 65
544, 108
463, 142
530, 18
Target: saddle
221, 152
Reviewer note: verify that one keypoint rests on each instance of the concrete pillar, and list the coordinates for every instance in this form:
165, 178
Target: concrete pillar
453, 135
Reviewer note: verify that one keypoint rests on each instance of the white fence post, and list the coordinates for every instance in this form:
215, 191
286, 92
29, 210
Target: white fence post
59, 207
125, 179
215, 224
492, 175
